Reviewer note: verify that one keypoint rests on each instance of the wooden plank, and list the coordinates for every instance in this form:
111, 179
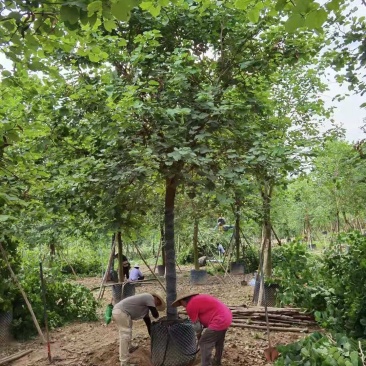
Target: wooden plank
15, 356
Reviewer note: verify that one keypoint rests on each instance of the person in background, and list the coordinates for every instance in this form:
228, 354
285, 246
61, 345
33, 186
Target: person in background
136, 274
211, 320
220, 223
125, 269
126, 266
221, 249
133, 308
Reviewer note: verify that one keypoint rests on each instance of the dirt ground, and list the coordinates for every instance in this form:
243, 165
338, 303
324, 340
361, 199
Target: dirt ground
95, 344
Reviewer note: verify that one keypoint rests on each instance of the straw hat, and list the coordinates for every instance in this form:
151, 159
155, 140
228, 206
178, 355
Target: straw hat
163, 305
136, 265
182, 296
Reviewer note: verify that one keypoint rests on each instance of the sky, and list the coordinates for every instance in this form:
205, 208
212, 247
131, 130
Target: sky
347, 113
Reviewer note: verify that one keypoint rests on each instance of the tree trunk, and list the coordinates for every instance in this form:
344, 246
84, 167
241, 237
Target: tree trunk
171, 277
267, 228
195, 245
237, 233
120, 265
266, 248
162, 240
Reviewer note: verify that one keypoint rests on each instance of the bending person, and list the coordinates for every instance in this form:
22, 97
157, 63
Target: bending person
133, 308
215, 317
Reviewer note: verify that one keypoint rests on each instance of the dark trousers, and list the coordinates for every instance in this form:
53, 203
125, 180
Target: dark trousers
211, 339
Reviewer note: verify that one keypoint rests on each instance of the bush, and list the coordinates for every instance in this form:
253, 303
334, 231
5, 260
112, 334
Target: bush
321, 349
297, 270
345, 274
66, 302
82, 267
7, 286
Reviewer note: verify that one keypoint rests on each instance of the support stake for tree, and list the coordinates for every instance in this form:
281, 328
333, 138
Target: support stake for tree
140, 254
157, 256
45, 312
15, 279
111, 259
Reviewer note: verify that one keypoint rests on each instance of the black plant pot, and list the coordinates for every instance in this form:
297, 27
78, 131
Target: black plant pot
198, 277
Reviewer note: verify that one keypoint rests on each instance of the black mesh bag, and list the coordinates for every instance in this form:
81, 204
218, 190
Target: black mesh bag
270, 294
173, 343
120, 292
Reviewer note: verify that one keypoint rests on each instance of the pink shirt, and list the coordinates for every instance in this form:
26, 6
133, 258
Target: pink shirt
209, 311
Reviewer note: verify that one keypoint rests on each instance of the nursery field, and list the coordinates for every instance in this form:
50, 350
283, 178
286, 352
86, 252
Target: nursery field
94, 343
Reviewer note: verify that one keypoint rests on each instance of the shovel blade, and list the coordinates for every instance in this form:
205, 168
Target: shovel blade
271, 354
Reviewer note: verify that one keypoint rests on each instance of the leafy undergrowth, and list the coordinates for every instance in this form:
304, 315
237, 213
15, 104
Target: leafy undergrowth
322, 349
66, 302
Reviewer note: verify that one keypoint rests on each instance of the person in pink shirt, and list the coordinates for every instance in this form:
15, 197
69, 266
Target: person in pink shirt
214, 316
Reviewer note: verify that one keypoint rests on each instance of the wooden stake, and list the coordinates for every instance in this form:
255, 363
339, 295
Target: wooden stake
15, 279
111, 259
276, 329
138, 251
14, 357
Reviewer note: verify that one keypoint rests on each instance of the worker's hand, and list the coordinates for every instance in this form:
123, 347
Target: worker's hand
199, 335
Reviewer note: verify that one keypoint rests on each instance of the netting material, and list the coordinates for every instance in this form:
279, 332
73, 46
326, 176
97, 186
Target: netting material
120, 292
173, 343
5, 327
269, 293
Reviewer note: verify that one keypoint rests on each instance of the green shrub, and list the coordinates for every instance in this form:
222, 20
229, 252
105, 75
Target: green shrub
7, 286
297, 271
66, 302
321, 349
345, 275
82, 267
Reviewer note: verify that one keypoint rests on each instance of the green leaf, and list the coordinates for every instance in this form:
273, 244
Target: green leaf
354, 358
69, 14
253, 15
145, 5
280, 4
315, 19
94, 7
243, 4
109, 25
122, 42
163, 2
333, 5
293, 22
121, 10
5, 217
155, 10
6, 73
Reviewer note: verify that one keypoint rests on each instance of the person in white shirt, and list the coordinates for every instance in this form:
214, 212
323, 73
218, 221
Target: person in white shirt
136, 274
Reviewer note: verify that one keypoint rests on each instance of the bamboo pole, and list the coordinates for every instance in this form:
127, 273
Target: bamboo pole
231, 278
111, 258
15, 279
157, 256
140, 254
145, 282
15, 356
276, 329
45, 312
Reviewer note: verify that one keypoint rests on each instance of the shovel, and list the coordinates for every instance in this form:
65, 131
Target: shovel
270, 353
